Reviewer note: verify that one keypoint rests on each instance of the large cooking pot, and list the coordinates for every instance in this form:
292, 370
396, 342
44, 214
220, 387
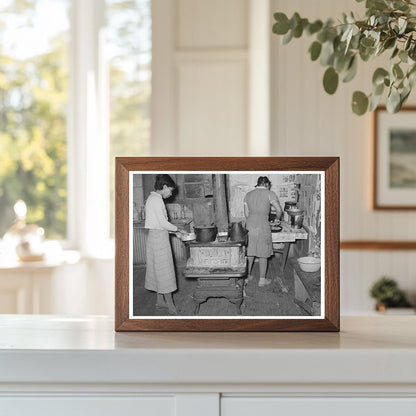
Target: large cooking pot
206, 234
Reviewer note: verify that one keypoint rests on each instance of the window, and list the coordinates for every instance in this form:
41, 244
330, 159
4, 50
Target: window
75, 87
33, 97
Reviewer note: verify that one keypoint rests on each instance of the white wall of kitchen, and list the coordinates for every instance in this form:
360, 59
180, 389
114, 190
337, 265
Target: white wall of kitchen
308, 122
223, 85
226, 79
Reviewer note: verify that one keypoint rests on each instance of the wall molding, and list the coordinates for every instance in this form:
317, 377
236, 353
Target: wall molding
377, 245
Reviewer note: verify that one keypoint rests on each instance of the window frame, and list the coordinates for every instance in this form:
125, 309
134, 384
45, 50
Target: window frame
87, 133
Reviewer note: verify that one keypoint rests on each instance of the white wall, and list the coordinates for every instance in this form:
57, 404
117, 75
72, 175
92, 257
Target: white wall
205, 81
211, 79
200, 77
308, 122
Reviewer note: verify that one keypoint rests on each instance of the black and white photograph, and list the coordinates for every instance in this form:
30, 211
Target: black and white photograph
226, 244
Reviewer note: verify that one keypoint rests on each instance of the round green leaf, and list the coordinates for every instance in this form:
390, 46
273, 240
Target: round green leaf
389, 43
397, 71
342, 61
403, 96
351, 71
294, 20
379, 75
367, 42
315, 50
365, 53
378, 89
393, 101
281, 27
374, 102
298, 30
330, 80
376, 4
359, 103
403, 56
408, 42
327, 54
288, 37
322, 36
395, 52
314, 27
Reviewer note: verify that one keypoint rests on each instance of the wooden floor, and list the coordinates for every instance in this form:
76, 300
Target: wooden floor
276, 299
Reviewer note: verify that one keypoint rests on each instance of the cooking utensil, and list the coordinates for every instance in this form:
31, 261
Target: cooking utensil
296, 218
205, 234
188, 237
290, 205
237, 232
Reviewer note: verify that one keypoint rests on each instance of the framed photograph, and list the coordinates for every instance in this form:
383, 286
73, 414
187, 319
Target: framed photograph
227, 244
394, 179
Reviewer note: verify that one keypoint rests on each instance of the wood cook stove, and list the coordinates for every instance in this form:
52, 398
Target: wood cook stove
220, 268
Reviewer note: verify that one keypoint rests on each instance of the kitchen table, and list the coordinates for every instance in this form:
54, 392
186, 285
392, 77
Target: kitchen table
286, 236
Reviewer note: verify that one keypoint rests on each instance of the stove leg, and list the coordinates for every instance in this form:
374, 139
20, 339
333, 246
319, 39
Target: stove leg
198, 304
237, 302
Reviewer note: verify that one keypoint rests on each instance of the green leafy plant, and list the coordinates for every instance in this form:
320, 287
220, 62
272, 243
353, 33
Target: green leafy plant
389, 27
387, 293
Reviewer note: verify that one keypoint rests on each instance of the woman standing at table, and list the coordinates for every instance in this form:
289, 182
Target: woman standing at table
160, 270
256, 210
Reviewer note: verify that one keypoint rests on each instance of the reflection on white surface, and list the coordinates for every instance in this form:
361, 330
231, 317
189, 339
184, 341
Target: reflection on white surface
54, 256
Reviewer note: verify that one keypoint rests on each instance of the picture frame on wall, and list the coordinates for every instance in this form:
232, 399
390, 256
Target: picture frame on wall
394, 152
227, 244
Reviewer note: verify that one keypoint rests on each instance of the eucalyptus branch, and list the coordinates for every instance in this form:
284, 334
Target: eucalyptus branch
388, 26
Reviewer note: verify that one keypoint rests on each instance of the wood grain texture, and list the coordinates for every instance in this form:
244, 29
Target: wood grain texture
329, 165
121, 244
378, 245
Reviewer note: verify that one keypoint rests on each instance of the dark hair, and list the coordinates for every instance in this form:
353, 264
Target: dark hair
162, 180
263, 181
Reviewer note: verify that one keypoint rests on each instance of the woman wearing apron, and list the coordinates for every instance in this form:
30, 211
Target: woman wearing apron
256, 209
160, 270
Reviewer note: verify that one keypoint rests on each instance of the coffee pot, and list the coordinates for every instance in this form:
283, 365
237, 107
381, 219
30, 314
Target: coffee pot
237, 232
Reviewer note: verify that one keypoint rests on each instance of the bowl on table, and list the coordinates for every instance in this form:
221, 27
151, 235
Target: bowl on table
309, 264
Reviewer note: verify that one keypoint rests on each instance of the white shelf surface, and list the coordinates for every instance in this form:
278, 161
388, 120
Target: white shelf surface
53, 349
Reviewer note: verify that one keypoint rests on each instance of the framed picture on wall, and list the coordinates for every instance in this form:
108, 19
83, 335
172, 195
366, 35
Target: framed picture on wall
227, 244
394, 178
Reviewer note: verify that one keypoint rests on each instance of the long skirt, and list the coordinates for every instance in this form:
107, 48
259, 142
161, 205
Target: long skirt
260, 242
160, 270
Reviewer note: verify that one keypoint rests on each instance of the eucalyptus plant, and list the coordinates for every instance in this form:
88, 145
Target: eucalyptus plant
389, 27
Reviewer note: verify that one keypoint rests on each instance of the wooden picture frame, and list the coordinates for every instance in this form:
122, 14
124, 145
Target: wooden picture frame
394, 158
324, 168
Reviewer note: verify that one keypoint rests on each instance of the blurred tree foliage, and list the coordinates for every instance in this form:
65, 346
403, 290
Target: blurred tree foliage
33, 96
33, 106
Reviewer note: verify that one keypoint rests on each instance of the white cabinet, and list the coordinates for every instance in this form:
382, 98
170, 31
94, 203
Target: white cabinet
88, 406
323, 406
79, 366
